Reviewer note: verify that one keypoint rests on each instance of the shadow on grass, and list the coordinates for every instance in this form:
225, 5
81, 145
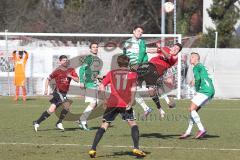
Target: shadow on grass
208, 136
122, 153
159, 135
31, 99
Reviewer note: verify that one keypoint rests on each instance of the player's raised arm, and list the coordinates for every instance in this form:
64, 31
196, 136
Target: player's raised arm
14, 55
26, 56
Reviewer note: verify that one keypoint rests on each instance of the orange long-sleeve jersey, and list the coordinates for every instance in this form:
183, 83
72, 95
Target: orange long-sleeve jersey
19, 65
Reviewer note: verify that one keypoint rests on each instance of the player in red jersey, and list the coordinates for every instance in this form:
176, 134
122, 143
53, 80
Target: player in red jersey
62, 76
123, 87
153, 71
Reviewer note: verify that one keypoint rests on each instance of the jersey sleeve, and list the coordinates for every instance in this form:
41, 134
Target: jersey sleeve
14, 56
106, 79
82, 73
172, 60
73, 73
53, 74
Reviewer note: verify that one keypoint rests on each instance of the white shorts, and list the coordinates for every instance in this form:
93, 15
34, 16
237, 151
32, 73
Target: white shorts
91, 95
200, 99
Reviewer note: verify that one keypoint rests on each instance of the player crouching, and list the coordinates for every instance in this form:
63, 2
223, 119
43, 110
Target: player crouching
120, 101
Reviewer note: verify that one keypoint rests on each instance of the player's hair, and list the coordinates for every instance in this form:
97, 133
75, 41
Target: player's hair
123, 60
62, 57
92, 43
195, 53
138, 26
179, 45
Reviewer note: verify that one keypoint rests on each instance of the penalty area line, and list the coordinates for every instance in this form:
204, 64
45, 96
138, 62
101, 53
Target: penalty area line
111, 146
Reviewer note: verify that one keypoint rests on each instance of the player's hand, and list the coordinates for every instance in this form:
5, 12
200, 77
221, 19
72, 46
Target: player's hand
192, 83
128, 107
158, 44
82, 86
69, 76
46, 92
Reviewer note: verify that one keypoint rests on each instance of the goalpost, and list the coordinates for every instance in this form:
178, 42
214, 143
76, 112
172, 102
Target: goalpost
44, 49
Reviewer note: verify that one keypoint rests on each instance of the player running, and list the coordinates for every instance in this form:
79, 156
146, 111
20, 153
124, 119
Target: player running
88, 73
153, 71
62, 76
204, 93
123, 87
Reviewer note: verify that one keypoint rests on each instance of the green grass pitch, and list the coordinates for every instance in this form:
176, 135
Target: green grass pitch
158, 137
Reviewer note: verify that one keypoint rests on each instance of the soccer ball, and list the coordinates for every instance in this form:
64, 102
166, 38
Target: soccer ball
168, 7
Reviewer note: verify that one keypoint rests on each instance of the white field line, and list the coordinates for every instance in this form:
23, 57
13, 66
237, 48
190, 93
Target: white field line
178, 108
111, 146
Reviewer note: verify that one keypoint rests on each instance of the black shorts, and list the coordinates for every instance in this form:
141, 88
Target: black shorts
58, 98
147, 72
111, 113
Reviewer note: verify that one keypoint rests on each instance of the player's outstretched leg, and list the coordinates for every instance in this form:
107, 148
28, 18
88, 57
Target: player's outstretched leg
189, 129
92, 153
135, 137
141, 102
43, 116
83, 119
156, 100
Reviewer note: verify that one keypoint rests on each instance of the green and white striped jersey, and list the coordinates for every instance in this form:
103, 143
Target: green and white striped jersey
135, 49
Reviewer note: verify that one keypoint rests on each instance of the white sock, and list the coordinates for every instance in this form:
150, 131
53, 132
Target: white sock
141, 102
166, 98
197, 120
86, 114
190, 126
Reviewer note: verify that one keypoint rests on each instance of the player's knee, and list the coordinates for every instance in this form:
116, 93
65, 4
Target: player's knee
132, 123
52, 109
105, 125
193, 107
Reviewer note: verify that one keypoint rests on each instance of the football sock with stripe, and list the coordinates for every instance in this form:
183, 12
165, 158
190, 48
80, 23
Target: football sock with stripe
44, 116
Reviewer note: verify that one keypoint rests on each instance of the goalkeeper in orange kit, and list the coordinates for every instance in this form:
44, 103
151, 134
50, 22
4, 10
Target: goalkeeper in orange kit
20, 60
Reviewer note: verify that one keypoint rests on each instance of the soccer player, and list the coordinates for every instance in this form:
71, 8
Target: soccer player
88, 73
135, 49
123, 87
204, 93
20, 61
62, 76
152, 71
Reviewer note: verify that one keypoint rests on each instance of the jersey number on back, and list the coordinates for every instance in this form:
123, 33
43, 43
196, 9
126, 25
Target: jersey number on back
121, 79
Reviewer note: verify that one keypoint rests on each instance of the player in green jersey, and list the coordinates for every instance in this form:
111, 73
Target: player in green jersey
204, 92
135, 49
88, 73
